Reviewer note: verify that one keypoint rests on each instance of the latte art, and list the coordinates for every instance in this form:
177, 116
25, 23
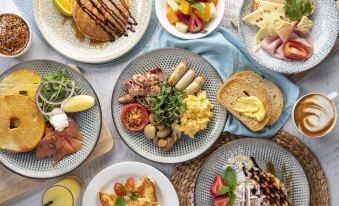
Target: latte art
315, 115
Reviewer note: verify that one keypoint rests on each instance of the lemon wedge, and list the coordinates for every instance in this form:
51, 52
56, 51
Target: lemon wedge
78, 103
64, 6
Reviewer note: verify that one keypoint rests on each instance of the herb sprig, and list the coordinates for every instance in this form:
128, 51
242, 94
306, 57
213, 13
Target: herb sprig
230, 179
167, 105
296, 9
120, 201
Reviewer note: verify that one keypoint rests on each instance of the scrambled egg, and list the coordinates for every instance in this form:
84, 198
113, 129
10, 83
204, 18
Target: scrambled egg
197, 114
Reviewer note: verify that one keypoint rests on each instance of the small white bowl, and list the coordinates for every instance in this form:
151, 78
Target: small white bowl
29, 39
161, 7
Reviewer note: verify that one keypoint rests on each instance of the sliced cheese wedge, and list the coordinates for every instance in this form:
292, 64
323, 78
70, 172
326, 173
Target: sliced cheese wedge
269, 17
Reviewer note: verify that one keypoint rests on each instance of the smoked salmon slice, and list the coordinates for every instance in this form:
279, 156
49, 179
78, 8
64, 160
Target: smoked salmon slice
60, 144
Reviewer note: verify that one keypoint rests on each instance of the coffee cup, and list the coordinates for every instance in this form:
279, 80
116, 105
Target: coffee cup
315, 114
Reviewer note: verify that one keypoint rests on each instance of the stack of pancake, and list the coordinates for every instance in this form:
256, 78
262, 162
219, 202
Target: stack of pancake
103, 20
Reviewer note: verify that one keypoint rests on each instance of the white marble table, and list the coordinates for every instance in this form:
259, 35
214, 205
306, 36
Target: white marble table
324, 79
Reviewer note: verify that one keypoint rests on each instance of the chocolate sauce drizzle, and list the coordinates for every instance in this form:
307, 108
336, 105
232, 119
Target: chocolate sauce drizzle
275, 195
115, 27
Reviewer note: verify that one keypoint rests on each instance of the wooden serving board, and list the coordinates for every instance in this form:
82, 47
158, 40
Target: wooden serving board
13, 185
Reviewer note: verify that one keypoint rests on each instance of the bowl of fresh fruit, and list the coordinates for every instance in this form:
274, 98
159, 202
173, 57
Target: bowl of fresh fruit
190, 19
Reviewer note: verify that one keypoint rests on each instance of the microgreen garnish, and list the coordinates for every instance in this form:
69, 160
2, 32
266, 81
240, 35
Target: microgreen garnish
167, 105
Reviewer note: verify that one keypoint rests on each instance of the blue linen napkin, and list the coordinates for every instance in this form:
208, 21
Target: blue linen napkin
228, 55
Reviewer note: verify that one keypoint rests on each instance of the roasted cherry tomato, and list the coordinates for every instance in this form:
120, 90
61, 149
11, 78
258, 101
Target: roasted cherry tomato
120, 189
295, 50
130, 185
134, 117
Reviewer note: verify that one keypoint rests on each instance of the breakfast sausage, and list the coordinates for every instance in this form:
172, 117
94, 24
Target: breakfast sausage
186, 79
195, 85
178, 72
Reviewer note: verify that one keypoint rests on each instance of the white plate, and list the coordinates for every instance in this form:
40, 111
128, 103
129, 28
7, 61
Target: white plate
104, 181
61, 37
161, 10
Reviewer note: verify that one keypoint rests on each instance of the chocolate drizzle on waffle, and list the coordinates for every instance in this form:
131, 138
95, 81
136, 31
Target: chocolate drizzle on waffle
115, 27
270, 186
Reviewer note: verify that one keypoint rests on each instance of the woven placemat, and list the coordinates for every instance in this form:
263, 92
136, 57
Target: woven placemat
185, 174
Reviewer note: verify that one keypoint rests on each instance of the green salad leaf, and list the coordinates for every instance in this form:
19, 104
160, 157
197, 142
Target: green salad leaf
296, 9
167, 105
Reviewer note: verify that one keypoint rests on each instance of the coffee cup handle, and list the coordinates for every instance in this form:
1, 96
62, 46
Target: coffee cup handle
332, 96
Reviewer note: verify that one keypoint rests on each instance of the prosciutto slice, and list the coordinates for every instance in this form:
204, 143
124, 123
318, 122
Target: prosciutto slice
285, 32
275, 45
270, 44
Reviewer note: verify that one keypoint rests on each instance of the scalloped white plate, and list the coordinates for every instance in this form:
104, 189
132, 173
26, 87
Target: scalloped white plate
61, 37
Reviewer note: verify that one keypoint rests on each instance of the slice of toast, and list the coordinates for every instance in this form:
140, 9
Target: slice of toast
146, 191
232, 90
273, 91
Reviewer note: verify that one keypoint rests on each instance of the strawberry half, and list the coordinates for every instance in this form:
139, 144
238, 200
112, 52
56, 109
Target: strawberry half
221, 201
218, 183
195, 24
